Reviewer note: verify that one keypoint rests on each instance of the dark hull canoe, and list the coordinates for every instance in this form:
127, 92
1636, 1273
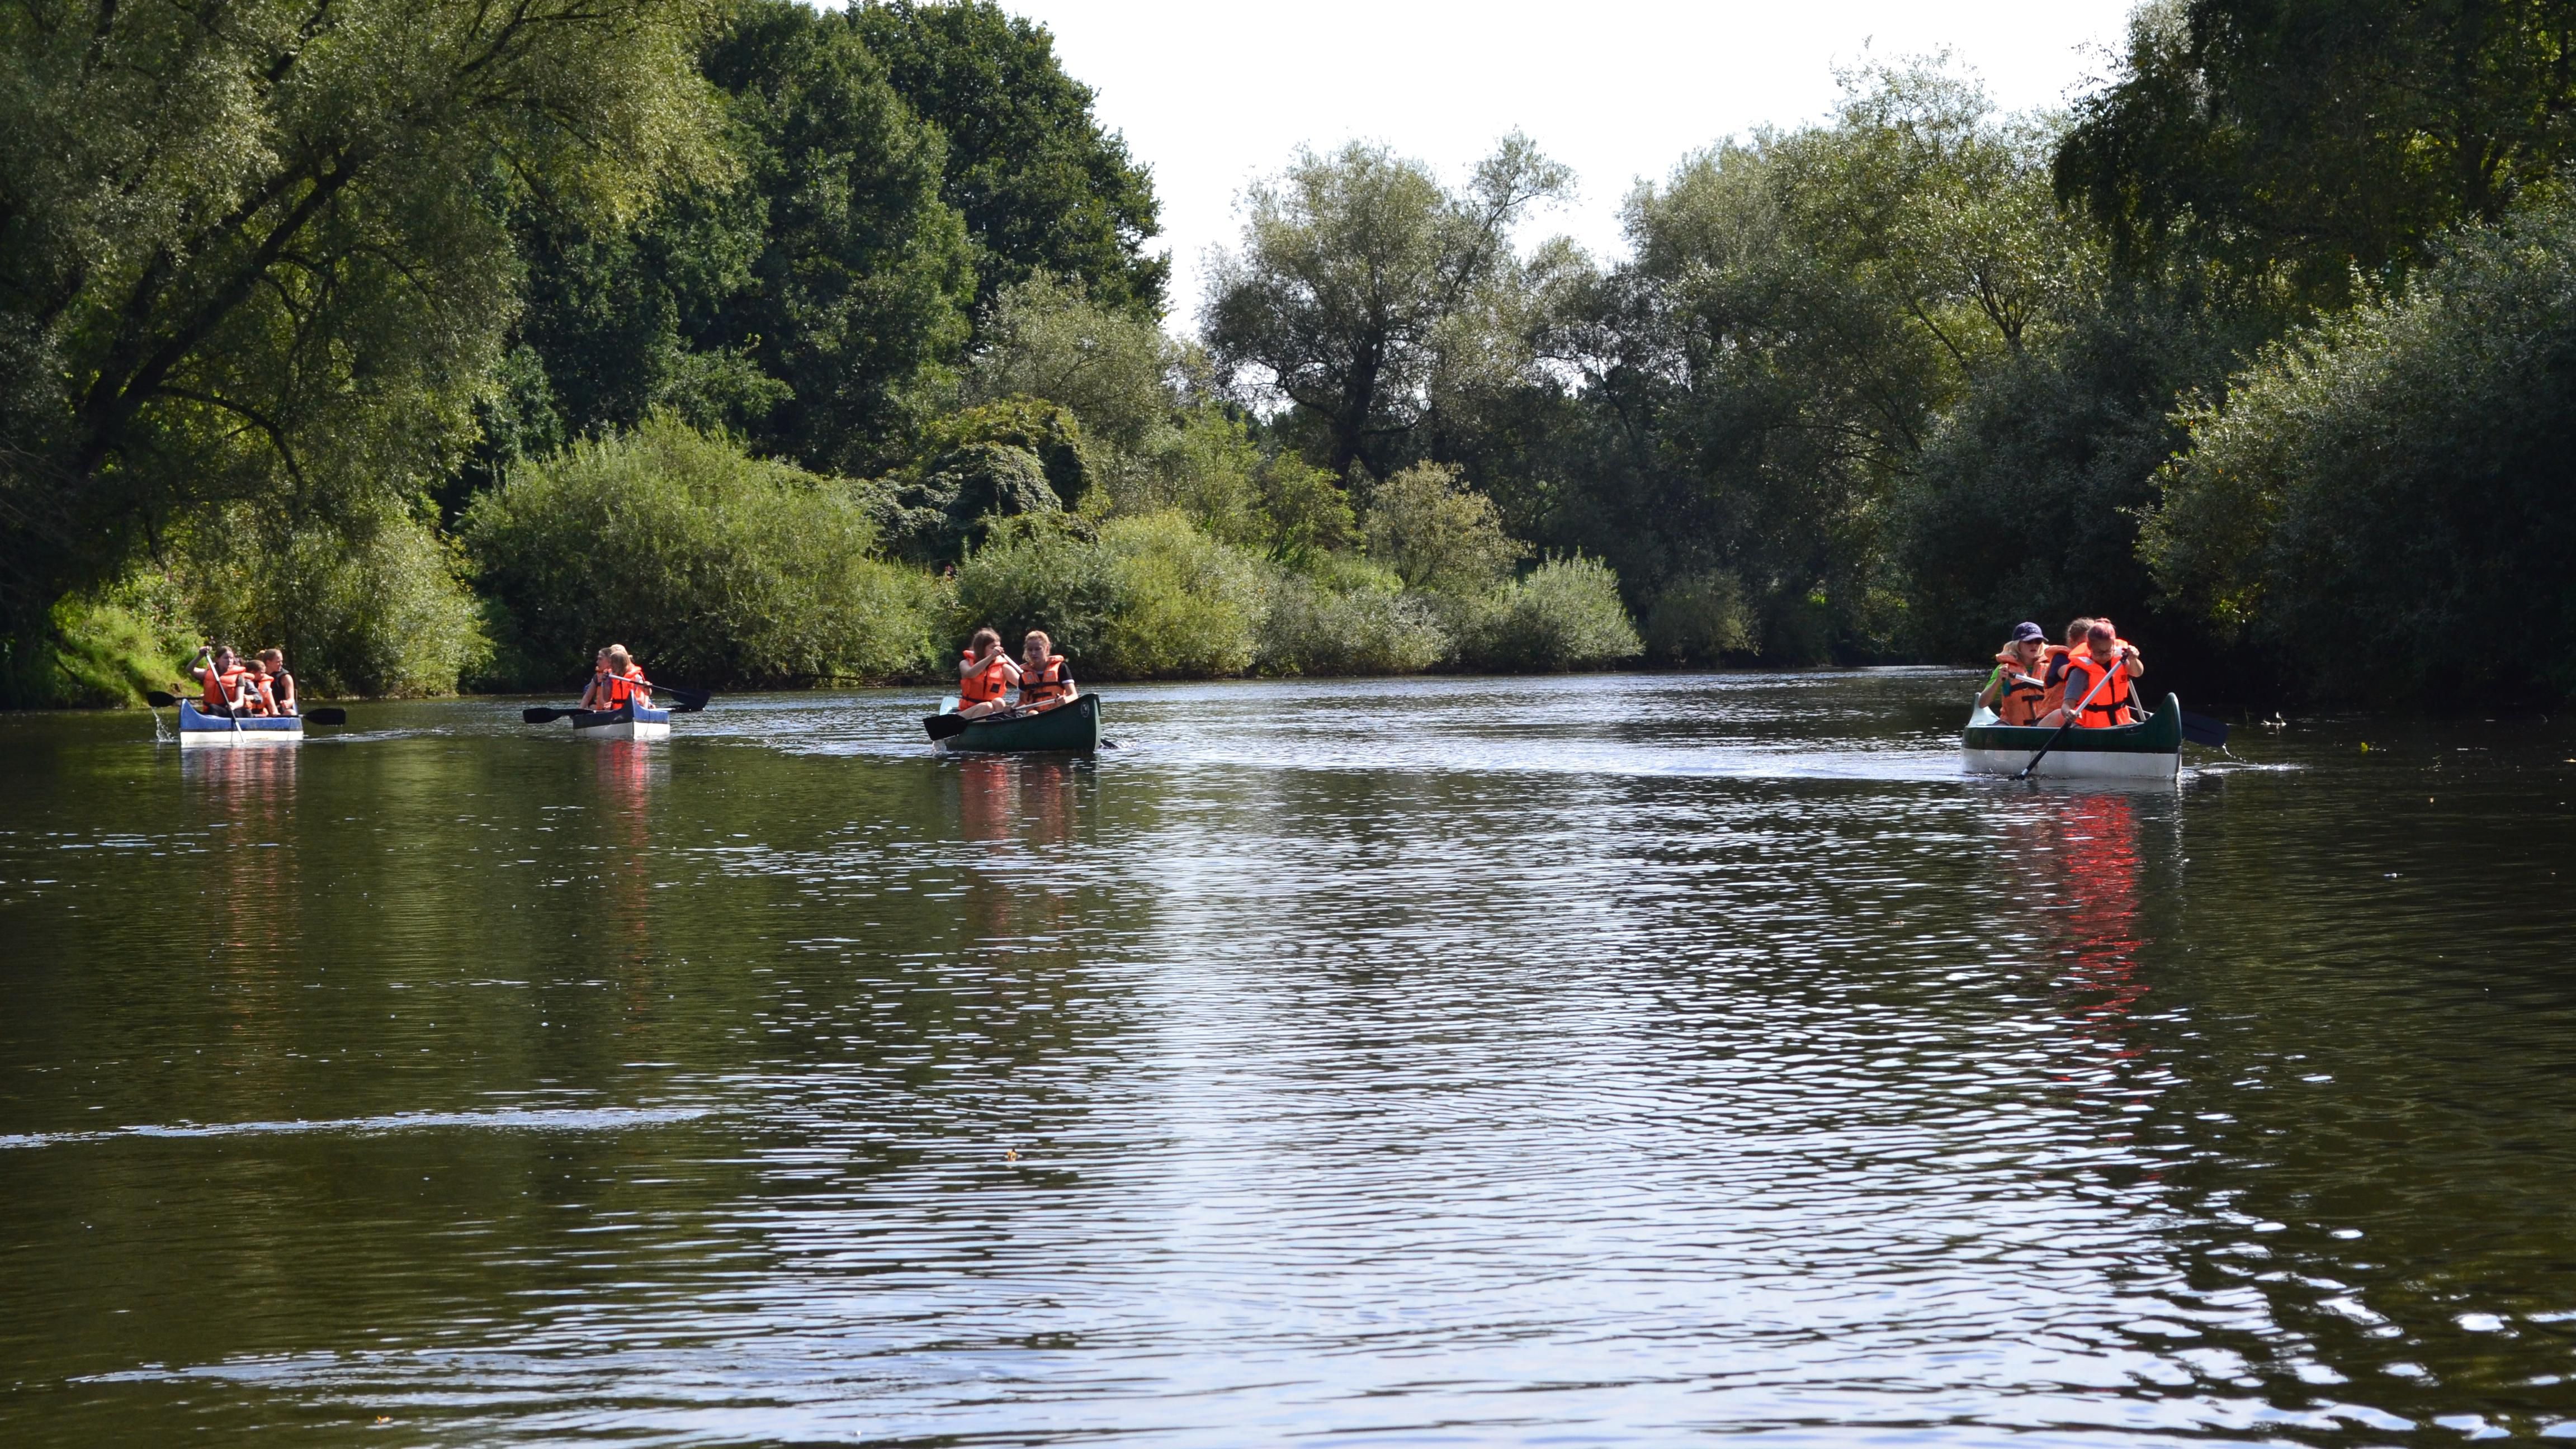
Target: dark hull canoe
1069, 728
2148, 750
628, 721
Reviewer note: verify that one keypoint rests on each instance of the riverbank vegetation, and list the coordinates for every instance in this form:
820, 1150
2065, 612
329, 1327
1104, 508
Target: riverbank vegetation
440, 345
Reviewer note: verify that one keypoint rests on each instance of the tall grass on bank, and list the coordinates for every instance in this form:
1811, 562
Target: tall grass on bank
715, 567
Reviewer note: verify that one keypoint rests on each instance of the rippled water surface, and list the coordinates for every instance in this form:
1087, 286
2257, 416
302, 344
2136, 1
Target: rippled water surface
1591, 1061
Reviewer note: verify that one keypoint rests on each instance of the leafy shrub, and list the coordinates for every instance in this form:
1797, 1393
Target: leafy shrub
2381, 497
713, 566
1437, 533
1697, 619
111, 646
1139, 598
1311, 627
1565, 615
372, 607
1205, 467
1046, 431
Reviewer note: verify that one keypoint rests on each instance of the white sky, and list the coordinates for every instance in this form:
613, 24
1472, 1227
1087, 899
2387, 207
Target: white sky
1213, 95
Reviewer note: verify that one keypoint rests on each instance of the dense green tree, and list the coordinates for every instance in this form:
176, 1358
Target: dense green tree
255, 253
2316, 136
1363, 285
2385, 502
1042, 187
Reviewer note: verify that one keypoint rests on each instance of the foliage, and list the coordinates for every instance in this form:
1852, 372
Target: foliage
1699, 620
1436, 533
2386, 498
1362, 280
1041, 186
113, 644
1565, 614
1045, 430
370, 606
1142, 597
715, 567
1313, 627
2320, 136
253, 253
1111, 368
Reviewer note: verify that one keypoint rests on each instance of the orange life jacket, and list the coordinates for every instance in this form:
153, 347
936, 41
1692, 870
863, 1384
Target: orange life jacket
624, 689
988, 683
2109, 704
2018, 704
1043, 684
252, 690
222, 690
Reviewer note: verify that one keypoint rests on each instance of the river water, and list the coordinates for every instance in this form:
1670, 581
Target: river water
1574, 1061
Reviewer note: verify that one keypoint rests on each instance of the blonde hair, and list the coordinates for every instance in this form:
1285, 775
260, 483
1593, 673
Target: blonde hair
1037, 634
2076, 631
618, 657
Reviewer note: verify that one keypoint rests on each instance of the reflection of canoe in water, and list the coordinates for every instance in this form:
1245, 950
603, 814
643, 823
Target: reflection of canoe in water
626, 722
2148, 750
1067, 727
207, 729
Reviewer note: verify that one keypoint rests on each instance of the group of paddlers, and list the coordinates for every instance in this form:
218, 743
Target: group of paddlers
236, 688
616, 681
2084, 681
986, 676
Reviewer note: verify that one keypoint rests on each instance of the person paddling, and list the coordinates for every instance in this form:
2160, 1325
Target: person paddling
281, 685
253, 692
985, 676
2097, 679
2013, 690
218, 670
620, 682
1045, 681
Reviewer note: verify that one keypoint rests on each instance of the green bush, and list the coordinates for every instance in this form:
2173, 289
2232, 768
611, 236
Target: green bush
1698, 619
1138, 598
1311, 627
1437, 533
111, 646
1565, 615
713, 566
2386, 503
372, 607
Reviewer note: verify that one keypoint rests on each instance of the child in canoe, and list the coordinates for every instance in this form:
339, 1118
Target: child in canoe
615, 679
1045, 680
985, 676
2013, 691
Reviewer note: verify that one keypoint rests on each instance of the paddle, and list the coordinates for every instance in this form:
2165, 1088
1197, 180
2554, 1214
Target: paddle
2200, 729
683, 701
539, 714
2072, 716
944, 726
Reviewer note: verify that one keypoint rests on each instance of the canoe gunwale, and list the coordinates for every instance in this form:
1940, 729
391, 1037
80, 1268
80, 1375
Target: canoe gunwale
1068, 729
2148, 750
208, 729
626, 722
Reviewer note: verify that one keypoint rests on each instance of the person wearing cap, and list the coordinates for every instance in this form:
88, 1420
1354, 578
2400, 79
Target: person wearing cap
2098, 690
2013, 690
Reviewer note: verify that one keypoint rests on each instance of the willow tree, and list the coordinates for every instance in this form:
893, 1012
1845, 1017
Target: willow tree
1362, 279
251, 253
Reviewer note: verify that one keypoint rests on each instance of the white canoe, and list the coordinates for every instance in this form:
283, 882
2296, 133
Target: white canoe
626, 722
2148, 750
205, 729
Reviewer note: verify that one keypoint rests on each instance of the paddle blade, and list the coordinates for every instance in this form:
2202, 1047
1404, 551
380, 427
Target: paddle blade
329, 714
944, 726
2200, 729
687, 701
158, 700
541, 715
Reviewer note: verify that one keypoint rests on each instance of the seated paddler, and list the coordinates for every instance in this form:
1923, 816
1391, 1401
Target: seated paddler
1045, 680
618, 681
218, 672
2098, 690
280, 683
2014, 689
985, 676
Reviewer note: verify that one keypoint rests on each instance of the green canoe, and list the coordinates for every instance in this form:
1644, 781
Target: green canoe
1069, 727
2148, 750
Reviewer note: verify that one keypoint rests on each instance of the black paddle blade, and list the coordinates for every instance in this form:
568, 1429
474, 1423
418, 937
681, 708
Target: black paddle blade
944, 726
158, 700
330, 714
686, 701
2200, 729
541, 715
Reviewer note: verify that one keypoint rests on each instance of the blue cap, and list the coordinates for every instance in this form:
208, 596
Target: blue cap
2025, 631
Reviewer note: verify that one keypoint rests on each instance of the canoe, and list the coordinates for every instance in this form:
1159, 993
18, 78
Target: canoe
207, 729
2148, 750
1067, 727
626, 722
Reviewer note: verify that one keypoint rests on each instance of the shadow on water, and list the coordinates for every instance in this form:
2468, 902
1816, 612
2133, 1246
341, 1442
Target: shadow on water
1488, 1060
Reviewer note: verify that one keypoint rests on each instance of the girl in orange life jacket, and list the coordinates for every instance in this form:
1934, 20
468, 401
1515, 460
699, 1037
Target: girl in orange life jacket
2011, 691
2097, 679
280, 683
219, 671
594, 695
1044, 679
985, 676
253, 693
622, 682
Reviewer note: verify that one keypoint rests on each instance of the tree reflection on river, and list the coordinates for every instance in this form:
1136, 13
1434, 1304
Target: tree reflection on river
1501, 1061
